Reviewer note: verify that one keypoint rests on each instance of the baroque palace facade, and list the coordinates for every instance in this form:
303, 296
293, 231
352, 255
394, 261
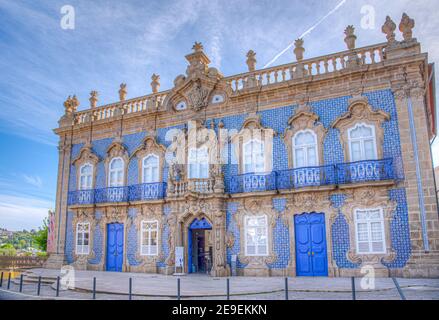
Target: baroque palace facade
316, 168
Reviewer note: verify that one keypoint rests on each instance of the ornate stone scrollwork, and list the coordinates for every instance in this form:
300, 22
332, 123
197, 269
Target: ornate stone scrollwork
151, 212
257, 265
361, 112
302, 120
150, 146
252, 129
368, 198
86, 155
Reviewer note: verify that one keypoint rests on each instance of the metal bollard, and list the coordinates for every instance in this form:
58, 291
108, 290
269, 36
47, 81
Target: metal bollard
39, 286
401, 294
353, 289
57, 286
21, 283
178, 289
1, 280
130, 289
94, 288
228, 289
9, 280
286, 288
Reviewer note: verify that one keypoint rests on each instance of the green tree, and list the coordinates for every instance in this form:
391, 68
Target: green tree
40, 237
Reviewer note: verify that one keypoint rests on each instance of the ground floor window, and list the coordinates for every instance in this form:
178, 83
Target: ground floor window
82, 238
256, 236
369, 228
149, 238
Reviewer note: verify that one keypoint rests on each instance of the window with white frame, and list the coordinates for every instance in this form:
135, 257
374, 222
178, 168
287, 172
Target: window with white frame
369, 230
116, 174
85, 177
305, 149
254, 157
198, 162
150, 172
149, 238
256, 236
83, 238
362, 143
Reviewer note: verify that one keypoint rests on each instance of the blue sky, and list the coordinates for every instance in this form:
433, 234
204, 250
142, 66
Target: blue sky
126, 41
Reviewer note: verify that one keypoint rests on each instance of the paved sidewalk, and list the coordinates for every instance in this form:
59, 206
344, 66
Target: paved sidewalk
203, 286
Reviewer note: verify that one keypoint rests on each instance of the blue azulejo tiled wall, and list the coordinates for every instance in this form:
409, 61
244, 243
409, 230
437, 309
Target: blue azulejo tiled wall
165, 237
132, 238
328, 111
69, 244
400, 230
340, 235
98, 240
281, 237
232, 227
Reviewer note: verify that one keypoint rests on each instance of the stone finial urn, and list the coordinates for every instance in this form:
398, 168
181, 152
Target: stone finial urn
251, 60
388, 29
123, 92
71, 105
155, 84
406, 27
93, 99
299, 49
350, 37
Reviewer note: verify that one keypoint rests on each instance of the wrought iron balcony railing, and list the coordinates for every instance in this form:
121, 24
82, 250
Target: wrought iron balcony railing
81, 197
253, 182
340, 174
114, 194
147, 191
306, 177
365, 171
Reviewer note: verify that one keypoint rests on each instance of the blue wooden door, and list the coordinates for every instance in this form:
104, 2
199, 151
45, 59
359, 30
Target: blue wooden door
310, 234
114, 247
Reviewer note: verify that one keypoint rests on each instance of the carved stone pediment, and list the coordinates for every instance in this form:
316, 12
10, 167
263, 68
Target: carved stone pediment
86, 155
304, 120
360, 111
369, 198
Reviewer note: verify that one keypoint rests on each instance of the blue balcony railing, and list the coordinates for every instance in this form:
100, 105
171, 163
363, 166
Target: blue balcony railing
306, 177
147, 191
114, 194
253, 182
365, 171
82, 197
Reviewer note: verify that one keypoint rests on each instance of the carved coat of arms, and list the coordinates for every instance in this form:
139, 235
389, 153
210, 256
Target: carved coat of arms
198, 97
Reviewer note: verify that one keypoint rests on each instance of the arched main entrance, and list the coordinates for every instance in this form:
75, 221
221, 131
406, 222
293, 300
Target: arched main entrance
200, 246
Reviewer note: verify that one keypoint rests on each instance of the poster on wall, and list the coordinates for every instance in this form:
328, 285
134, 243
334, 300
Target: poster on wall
179, 259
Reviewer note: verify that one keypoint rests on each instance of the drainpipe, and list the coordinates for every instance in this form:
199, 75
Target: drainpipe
418, 171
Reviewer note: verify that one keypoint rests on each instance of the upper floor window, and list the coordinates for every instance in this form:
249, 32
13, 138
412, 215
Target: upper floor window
254, 157
198, 161
256, 235
305, 149
150, 172
149, 238
362, 143
83, 238
86, 177
369, 225
116, 175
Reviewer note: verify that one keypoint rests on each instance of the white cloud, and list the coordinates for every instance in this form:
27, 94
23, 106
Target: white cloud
35, 181
17, 213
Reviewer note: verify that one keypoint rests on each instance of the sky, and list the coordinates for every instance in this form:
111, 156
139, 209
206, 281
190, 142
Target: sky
114, 42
